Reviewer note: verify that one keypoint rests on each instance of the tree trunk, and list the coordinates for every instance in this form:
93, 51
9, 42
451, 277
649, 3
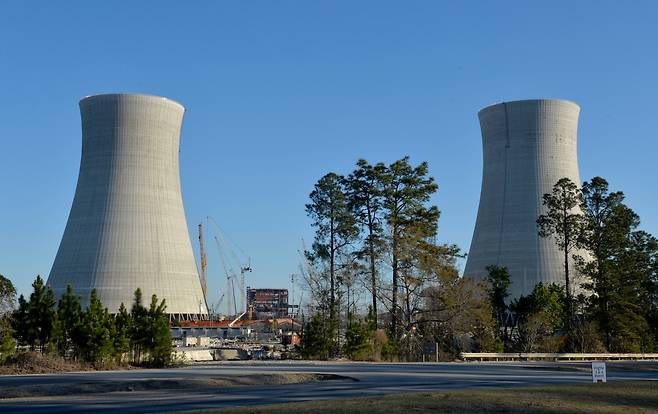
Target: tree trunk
407, 304
332, 276
566, 256
570, 313
394, 296
373, 276
373, 264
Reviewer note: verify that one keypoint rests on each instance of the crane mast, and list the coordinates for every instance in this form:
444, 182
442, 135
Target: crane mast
204, 264
243, 287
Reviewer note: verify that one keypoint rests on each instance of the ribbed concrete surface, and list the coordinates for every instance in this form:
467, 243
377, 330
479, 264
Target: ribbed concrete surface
527, 147
127, 227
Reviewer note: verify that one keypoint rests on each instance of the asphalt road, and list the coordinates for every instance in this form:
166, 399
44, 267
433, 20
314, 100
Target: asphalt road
371, 379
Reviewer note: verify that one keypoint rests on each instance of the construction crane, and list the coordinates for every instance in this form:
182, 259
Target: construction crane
204, 264
214, 308
243, 287
224, 248
230, 287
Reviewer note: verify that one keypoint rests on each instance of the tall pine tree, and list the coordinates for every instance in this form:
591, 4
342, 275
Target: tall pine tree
69, 313
563, 221
41, 316
620, 267
335, 231
121, 325
406, 192
365, 198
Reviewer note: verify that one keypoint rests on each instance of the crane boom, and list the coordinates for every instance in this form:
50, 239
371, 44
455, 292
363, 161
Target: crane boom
232, 263
228, 275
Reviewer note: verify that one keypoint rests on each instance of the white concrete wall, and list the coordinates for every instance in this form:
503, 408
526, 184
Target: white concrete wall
527, 147
127, 228
191, 355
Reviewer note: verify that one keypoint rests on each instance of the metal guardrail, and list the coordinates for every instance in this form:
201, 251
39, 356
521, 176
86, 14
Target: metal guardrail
530, 356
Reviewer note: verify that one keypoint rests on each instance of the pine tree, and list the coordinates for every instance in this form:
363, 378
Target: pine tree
563, 220
23, 330
138, 331
316, 340
41, 316
94, 339
69, 313
498, 290
159, 344
646, 259
620, 269
406, 191
358, 338
335, 230
365, 199
121, 325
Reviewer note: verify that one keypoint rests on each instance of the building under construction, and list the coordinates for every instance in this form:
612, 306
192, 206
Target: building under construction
267, 303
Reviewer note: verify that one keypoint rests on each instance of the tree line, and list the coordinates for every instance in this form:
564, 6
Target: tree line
376, 244
609, 299
62, 327
375, 254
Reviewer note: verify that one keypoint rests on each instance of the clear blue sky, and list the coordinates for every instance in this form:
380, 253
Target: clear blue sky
280, 92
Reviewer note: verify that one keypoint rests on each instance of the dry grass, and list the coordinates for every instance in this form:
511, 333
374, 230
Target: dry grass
613, 397
27, 363
99, 387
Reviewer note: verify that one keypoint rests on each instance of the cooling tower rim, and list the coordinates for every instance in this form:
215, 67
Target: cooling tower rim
519, 101
131, 94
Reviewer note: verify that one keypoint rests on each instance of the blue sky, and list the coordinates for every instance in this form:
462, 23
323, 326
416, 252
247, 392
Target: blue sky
279, 93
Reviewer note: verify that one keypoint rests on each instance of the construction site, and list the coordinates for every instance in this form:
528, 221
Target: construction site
245, 322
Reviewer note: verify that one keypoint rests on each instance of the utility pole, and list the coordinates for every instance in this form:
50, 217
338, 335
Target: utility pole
292, 295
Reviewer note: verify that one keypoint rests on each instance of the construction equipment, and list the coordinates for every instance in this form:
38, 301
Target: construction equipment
225, 251
237, 318
214, 308
204, 264
243, 287
230, 287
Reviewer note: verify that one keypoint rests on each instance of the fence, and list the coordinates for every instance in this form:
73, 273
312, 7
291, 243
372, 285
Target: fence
536, 356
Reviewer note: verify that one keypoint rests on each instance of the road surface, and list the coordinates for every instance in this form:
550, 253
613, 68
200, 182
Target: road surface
369, 379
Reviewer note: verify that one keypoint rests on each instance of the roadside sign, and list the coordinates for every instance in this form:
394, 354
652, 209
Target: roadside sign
598, 372
429, 348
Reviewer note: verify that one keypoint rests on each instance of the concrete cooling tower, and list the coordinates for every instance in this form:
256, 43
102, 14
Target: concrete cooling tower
527, 147
127, 228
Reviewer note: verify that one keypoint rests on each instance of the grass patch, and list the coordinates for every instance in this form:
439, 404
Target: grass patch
29, 363
613, 397
206, 384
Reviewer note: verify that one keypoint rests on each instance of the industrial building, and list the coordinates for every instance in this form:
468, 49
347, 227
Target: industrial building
127, 228
528, 146
267, 303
